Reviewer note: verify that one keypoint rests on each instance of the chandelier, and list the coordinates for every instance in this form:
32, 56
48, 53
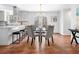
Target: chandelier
40, 9
40, 16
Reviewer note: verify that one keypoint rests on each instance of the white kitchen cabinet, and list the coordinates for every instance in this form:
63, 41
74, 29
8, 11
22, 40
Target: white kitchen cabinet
5, 17
2, 14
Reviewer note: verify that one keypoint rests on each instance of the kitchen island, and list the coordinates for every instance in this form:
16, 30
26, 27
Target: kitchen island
6, 33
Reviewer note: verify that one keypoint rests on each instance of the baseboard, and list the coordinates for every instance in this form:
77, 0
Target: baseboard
63, 34
56, 33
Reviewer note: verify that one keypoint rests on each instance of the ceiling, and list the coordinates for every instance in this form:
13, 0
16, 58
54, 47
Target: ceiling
42, 7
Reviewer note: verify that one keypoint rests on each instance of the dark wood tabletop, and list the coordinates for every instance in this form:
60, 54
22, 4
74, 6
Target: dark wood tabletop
74, 30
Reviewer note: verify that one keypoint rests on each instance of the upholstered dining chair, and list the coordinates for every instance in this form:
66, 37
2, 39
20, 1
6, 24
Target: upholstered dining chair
30, 33
49, 34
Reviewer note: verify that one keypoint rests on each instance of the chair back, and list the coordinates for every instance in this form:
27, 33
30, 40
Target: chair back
33, 27
30, 31
50, 31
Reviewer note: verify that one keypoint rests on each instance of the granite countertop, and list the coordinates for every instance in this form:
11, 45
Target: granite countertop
12, 26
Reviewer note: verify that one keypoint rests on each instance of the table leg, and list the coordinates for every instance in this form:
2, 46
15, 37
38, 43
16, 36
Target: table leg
74, 38
48, 43
41, 39
32, 42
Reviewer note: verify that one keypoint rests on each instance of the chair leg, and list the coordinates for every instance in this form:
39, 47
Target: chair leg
34, 39
23, 35
19, 38
28, 39
48, 43
39, 39
32, 42
52, 40
12, 38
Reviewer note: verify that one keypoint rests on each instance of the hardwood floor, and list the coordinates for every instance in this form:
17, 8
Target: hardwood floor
61, 45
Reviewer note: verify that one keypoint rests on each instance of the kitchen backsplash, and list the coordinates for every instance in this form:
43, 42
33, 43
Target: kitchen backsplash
3, 23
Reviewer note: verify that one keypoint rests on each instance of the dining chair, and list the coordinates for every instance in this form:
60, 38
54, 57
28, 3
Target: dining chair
49, 34
33, 27
30, 33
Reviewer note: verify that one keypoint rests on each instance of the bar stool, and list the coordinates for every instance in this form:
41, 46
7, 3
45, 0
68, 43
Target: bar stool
23, 33
15, 33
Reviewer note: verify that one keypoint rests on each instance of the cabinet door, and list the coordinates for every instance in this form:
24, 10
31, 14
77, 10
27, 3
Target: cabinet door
1, 15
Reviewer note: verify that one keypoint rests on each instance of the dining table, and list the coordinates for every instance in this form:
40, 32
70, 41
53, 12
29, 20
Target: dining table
74, 36
39, 32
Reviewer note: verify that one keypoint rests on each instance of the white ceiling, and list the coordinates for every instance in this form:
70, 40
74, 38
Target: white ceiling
37, 7
43, 7
33, 7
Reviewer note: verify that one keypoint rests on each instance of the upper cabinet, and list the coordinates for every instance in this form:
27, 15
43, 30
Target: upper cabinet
5, 12
2, 15
5, 15
15, 11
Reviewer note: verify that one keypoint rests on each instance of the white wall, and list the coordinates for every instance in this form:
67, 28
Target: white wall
61, 22
67, 19
73, 17
67, 22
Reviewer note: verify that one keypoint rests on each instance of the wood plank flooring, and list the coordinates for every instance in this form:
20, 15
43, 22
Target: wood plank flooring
61, 45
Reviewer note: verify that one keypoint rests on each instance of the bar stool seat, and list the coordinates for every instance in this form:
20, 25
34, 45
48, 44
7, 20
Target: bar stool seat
15, 33
22, 30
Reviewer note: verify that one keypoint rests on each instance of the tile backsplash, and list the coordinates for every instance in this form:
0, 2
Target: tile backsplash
3, 23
